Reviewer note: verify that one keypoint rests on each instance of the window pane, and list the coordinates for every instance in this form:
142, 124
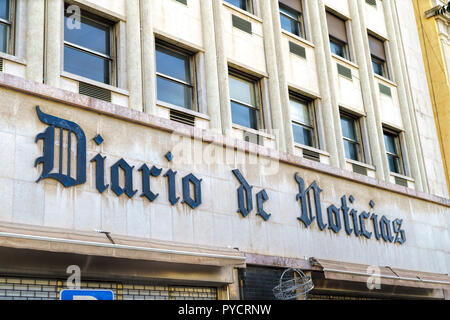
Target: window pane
300, 112
244, 116
389, 140
243, 91
4, 34
173, 64
351, 150
4, 9
174, 93
378, 67
91, 35
290, 25
348, 128
394, 165
239, 3
338, 48
303, 135
86, 65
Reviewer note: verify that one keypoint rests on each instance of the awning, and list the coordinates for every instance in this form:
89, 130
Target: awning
334, 270
92, 244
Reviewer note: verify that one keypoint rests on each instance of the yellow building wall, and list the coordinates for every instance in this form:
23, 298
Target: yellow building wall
438, 77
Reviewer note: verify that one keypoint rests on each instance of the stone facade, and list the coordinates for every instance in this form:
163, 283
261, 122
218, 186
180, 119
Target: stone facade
201, 246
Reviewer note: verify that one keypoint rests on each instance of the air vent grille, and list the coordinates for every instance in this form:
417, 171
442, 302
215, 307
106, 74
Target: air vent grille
94, 92
182, 117
297, 50
359, 169
253, 138
344, 71
401, 182
311, 155
372, 2
242, 24
1, 65
182, 1
385, 90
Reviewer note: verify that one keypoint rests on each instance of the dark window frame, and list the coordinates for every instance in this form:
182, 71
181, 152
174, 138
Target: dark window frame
382, 63
312, 114
344, 46
190, 57
359, 142
375, 59
249, 6
111, 58
10, 24
299, 19
256, 82
398, 145
340, 42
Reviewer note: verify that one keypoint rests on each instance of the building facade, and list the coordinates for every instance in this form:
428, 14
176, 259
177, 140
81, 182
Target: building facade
434, 39
196, 149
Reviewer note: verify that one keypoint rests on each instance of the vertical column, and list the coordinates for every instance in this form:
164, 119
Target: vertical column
336, 118
373, 125
410, 102
222, 69
271, 63
54, 38
212, 82
324, 81
35, 40
374, 91
134, 74
404, 107
282, 78
148, 58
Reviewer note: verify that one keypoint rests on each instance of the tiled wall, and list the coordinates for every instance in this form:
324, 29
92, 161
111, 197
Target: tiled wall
44, 289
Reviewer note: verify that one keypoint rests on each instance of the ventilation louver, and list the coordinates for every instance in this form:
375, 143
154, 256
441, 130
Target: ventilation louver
311, 155
94, 91
297, 50
242, 24
182, 117
344, 71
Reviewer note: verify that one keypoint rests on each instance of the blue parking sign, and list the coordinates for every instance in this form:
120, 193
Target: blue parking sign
87, 295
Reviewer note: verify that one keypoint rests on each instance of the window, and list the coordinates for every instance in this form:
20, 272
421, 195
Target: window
302, 121
242, 4
244, 101
392, 143
174, 76
378, 55
88, 49
6, 26
338, 36
291, 17
352, 137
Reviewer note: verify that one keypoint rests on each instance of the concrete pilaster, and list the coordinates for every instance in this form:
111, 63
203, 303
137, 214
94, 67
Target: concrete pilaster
282, 78
333, 91
148, 58
404, 106
327, 104
222, 69
134, 55
54, 38
273, 80
211, 73
374, 92
35, 40
373, 124
417, 140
